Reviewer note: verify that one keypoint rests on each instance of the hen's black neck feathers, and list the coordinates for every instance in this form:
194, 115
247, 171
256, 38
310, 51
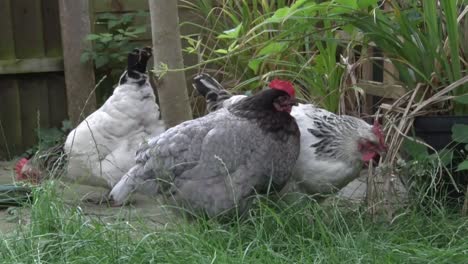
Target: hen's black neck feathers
259, 108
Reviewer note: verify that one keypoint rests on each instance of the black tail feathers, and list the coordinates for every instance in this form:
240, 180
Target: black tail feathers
212, 90
137, 61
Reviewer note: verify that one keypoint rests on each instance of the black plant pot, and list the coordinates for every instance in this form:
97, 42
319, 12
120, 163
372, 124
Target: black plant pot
437, 130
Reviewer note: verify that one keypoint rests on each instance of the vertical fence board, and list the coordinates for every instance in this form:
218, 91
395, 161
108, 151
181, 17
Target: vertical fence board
10, 130
29, 43
57, 99
27, 28
7, 45
52, 38
34, 107
10, 116
31, 29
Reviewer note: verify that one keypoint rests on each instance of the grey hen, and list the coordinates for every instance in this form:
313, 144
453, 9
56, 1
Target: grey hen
216, 163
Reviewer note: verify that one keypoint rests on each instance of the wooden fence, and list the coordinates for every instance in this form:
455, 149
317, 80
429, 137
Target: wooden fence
32, 85
31, 72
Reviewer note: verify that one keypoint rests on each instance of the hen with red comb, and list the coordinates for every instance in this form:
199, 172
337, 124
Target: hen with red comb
217, 163
334, 148
283, 85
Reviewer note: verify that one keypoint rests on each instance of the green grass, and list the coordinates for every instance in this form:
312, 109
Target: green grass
302, 233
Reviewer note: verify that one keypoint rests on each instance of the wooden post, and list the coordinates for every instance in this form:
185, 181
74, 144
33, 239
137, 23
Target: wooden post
79, 77
167, 50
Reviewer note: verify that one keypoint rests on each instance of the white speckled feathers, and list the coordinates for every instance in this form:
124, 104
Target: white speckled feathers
101, 149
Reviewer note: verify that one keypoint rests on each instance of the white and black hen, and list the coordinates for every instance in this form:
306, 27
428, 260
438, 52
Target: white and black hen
101, 149
333, 147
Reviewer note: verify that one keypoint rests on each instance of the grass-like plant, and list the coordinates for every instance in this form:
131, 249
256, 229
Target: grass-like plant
304, 232
426, 43
253, 41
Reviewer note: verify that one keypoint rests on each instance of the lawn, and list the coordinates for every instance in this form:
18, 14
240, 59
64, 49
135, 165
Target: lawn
303, 232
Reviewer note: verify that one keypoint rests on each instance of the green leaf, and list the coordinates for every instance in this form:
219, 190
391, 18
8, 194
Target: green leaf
414, 149
106, 39
272, 48
221, 51
107, 16
344, 6
363, 4
92, 37
66, 125
462, 99
101, 61
460, 133
231, 33
446, 156
112, 24
298, 4
279, 15
348, 3
463, 166
254, 64
85, 57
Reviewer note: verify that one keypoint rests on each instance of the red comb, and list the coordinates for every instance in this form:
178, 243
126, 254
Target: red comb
377, 129
283, 85
19, 166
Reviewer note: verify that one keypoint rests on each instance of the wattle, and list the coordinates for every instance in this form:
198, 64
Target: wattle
368, 156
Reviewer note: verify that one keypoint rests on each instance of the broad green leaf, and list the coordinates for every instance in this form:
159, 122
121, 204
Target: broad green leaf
254, 64
272, 48
414, 149
231, 33
107, 16
112, 24
92, 37
463, 166
460, 133
138, 30
106, 39
66, 125
445, 156
85, 57
462, 99
101, 61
